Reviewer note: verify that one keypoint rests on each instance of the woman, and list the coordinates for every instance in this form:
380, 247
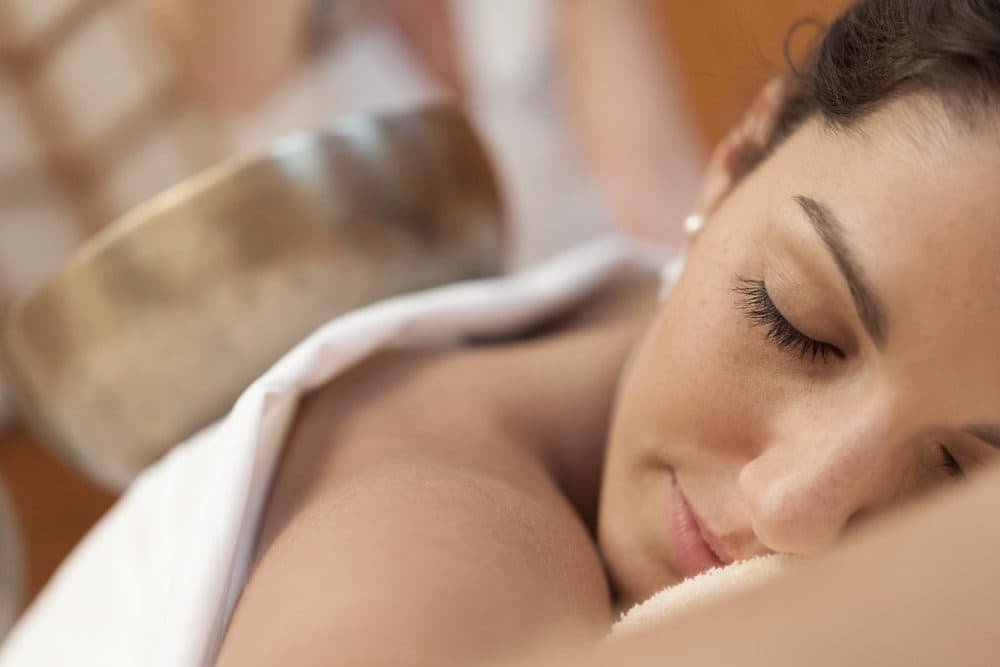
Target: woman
827, 354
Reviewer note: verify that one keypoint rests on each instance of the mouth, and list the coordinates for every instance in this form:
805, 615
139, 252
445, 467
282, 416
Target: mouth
690, 542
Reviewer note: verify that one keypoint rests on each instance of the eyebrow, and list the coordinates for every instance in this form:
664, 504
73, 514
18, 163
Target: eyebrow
988, 433
831, 232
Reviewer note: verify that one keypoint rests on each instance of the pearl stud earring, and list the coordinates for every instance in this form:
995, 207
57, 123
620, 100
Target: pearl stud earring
693, 225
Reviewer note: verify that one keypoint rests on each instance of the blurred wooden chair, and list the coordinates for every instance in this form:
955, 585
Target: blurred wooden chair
93, 121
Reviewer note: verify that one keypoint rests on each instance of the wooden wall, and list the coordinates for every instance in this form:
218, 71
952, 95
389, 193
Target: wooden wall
725, 49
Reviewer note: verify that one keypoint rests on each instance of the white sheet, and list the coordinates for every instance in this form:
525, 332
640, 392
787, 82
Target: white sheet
154, 583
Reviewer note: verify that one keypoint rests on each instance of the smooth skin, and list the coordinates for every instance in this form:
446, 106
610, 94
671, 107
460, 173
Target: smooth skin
916, 588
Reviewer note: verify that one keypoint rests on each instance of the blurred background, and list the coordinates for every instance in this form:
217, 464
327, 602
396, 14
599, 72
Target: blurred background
598, 114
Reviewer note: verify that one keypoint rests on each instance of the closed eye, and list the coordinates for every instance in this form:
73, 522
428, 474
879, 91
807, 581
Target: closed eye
756, 304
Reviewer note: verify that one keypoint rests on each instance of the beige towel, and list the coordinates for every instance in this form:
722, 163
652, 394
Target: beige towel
705, 588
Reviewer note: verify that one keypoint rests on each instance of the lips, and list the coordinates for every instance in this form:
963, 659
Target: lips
689, 541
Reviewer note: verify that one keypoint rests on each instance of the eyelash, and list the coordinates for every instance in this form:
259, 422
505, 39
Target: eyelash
950, 463
756, 304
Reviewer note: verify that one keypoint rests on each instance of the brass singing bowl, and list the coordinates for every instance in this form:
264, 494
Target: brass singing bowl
160, 321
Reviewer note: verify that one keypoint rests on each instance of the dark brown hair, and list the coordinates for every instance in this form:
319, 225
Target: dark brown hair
880, 50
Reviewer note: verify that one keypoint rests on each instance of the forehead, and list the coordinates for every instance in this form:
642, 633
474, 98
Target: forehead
919, 198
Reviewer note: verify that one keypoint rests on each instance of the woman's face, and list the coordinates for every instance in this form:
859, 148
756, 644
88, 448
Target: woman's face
832, 349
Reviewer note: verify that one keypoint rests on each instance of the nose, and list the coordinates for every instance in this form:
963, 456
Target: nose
804, 490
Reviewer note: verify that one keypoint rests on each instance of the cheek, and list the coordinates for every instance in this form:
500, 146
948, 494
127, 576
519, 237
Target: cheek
693, 384
681, 403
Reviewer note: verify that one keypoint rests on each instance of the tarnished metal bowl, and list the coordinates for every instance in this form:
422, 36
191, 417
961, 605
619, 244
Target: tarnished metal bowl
161, 320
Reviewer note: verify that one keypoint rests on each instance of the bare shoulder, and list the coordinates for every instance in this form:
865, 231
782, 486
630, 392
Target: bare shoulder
417, 562
420, 497
547, 395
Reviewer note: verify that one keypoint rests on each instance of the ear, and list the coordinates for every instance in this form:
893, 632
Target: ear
743, 147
